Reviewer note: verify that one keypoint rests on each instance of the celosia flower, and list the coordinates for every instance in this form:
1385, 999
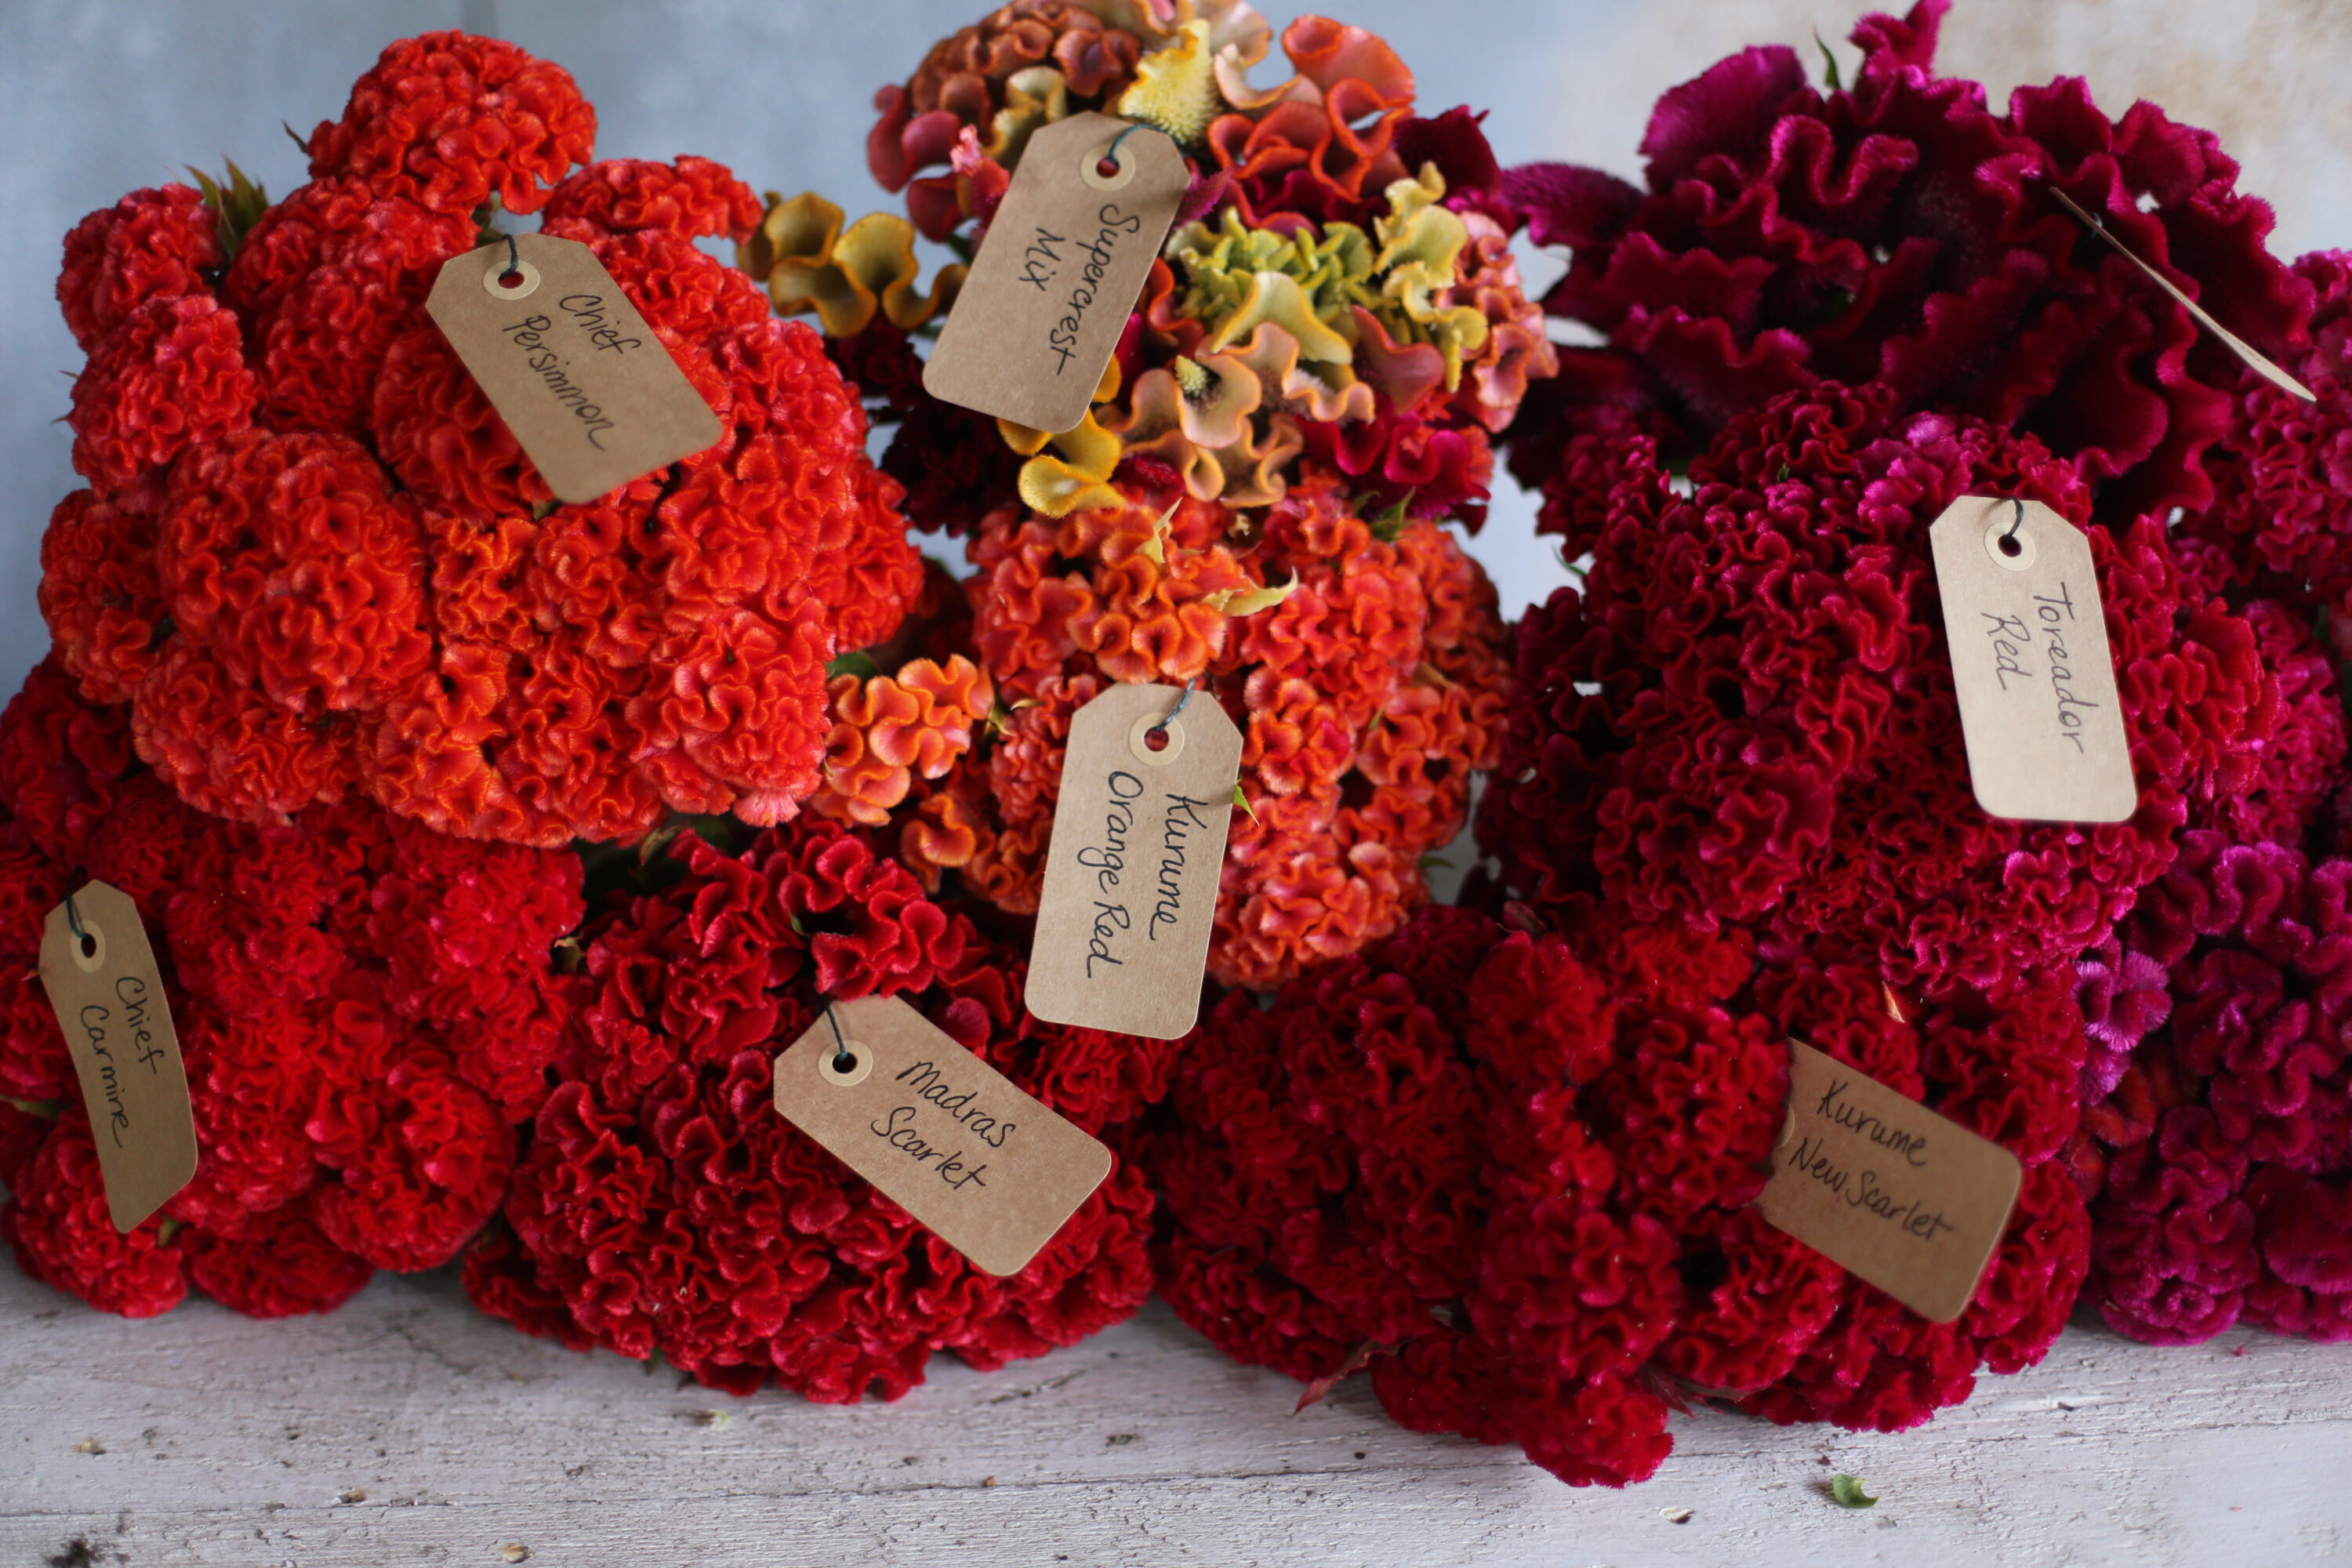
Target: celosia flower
889, 729
2282, 514
366, 1010
373, 592
1366, 696
1902, 232
1747, 710
2216, 1147
1512, 1175
664, 1207
450, 120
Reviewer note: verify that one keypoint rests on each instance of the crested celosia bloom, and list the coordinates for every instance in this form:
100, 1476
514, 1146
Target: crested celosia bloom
1900, 231
2216, 1145
1511, 1175
2282, 514
1363, 662
316, 564
1745, 711
663, 1205
1311, 378
367, 1010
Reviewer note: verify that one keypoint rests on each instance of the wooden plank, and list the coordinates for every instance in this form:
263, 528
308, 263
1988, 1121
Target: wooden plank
407, 1428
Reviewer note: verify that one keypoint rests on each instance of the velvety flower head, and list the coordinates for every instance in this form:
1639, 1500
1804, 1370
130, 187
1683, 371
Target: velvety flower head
1511, 1175
316, 564
1362, 662
152, 245
450, 120
663, 1205
1747, 710
1901, 231
2216, 1145
2281, 513
366, 1010
1339, 287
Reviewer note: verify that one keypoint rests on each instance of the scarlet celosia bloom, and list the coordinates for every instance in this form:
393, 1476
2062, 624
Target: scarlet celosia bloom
663, 1206
1362, 662
1511, 1175
367, 1010
1747, 710
315, 562
1902, 232
2216, 1145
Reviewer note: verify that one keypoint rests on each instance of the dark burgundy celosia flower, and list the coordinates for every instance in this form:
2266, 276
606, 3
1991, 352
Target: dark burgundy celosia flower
2216, 1147
367, 1011
2281, 513
663, 1204
1512, 1174
1901, 231
316, 563
1746, 712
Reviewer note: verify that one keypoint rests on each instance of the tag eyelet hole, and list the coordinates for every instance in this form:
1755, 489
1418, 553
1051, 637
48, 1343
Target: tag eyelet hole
495, 278
1108, 170
2009, 542
1156, 740
90, 951
861, 1063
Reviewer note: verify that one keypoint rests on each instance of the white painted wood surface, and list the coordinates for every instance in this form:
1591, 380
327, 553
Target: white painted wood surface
407, 1428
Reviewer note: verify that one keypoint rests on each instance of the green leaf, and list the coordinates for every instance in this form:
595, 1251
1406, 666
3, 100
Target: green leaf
1241, 801
854, 662
238, 203
47, 1110
1846, 1492
1829, 75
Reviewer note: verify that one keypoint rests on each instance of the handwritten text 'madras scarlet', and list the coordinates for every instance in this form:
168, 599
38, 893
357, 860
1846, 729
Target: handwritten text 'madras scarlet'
134, 1032
904, 1126
1850, 1165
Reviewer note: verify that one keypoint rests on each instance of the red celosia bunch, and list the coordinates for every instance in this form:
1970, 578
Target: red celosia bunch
1747, 710
367, 1011
663, 1206
314, 561
1512, 1174
1363, 662
1900, 231
2216, 1145
2282, 514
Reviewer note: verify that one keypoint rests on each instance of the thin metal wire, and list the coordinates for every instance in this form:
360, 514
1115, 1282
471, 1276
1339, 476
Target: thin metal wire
2020, 522
73, 919
1161, 728
514, 260
842, 1059
1110, 153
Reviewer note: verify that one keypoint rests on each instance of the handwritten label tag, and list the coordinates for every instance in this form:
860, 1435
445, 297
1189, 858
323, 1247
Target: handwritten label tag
1131, 871
1064, 260
2030, 664
1877, 1182
584, 384
984, 1167
109, 999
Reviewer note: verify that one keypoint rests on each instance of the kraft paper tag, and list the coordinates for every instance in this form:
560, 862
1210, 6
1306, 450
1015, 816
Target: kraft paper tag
1064, 262
2030, 664
1131, 871
2256, 360
984, 1167
109, 999
584, 384
1881, 1184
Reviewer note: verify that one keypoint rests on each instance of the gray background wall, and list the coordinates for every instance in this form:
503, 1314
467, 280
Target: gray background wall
101, 97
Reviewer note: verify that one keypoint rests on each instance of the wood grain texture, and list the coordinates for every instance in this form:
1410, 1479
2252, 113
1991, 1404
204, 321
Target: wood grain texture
407, 1428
